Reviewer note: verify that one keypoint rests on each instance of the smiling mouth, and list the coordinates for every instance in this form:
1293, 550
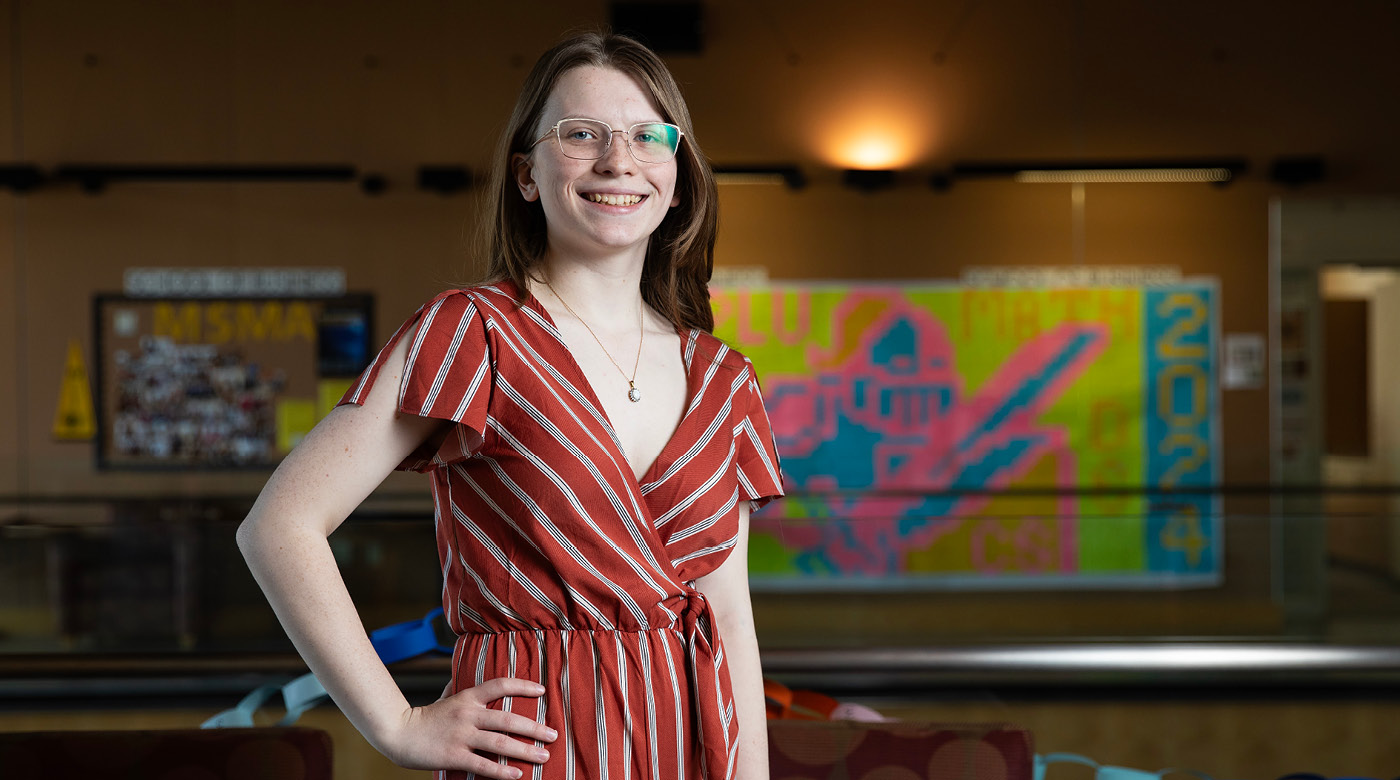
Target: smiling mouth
614, 200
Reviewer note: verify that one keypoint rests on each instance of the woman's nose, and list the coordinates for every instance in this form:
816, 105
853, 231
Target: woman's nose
618, 156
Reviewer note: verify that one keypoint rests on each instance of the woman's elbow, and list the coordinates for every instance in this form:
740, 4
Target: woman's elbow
247, 536
255, 533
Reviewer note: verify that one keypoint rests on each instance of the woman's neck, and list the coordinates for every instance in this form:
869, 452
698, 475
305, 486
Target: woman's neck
604, 293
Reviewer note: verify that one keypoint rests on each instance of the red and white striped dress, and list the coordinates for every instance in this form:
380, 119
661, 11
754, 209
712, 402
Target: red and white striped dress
559, 566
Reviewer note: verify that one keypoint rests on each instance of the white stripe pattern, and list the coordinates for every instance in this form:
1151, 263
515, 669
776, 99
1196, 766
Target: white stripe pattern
545, 532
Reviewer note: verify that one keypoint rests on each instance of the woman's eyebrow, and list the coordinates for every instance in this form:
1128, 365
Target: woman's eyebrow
567, 115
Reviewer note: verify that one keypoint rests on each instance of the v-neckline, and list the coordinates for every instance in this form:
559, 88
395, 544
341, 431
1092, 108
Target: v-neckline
582, 378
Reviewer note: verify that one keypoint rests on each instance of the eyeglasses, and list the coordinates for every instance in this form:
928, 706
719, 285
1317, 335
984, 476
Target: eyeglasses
589, 139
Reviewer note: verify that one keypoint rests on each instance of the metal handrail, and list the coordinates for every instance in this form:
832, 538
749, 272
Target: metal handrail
1241, 662
1045, 664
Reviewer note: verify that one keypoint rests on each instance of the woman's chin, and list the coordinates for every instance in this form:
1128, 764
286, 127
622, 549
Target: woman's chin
606, 241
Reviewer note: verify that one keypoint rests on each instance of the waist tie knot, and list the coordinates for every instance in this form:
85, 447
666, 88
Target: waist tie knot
712, 699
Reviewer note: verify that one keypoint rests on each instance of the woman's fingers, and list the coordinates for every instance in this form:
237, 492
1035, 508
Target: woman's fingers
510, 723
485, 767
501, 687
463, 731
476, 700
508, 746
499, 731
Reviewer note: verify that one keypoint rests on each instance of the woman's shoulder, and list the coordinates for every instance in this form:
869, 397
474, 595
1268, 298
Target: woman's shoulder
711, 348
489, 300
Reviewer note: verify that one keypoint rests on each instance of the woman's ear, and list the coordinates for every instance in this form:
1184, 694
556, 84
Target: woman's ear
524, 176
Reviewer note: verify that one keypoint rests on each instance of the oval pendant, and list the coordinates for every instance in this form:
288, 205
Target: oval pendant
634, 395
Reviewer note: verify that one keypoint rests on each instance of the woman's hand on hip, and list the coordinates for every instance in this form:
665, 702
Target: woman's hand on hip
452, 732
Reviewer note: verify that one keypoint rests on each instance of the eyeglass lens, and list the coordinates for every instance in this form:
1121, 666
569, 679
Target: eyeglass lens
585, 139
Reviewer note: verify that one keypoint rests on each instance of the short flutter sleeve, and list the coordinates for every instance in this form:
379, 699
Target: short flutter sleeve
447, 375
755, 453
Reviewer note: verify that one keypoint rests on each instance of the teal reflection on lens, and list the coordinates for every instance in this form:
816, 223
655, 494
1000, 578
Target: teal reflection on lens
655, 142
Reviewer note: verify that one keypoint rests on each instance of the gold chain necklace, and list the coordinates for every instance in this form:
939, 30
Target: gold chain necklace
633, 394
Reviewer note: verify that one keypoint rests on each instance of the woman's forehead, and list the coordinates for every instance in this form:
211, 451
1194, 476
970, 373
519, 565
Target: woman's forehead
600, 93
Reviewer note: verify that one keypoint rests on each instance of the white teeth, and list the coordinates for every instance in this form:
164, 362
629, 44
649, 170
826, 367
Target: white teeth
614, 200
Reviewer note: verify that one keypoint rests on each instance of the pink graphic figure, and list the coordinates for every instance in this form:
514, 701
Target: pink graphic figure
887, 418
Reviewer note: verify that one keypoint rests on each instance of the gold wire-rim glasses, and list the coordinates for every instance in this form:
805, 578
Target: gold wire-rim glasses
607, 146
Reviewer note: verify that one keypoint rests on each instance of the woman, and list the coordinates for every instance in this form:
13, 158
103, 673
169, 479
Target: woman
594, 455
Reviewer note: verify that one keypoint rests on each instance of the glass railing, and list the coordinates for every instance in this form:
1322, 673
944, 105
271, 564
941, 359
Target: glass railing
1310, 577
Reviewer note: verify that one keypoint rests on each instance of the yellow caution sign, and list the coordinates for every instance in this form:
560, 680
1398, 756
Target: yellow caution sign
74, 418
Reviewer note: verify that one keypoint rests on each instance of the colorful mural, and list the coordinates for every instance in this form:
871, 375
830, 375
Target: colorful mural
949, 436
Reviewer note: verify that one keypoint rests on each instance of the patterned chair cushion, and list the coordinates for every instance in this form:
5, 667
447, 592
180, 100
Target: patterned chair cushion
843, 750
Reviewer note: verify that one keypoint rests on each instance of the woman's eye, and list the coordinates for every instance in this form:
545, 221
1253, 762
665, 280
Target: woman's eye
646, 138
580, 135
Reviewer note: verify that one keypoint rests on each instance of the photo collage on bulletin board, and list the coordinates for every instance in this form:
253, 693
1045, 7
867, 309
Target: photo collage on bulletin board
205, 383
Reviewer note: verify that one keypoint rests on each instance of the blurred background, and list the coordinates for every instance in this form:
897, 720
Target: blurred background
1077, 321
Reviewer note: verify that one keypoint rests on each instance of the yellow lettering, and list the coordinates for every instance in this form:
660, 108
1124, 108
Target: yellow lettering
1186, 464
220, 326
1120, 307
220, 322
258, 323
1170, 345
1183, 532
299, 323
1074, 303
980, 304
181, 327
1196, 395
1111, 473
1025, 308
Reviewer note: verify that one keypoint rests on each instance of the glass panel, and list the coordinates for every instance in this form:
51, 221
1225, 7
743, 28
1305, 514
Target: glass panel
164, 577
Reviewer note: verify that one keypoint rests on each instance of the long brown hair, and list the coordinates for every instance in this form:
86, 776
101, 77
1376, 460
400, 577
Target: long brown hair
681, 254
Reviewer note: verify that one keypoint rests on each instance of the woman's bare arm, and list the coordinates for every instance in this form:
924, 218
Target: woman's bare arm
727, 590
284, 539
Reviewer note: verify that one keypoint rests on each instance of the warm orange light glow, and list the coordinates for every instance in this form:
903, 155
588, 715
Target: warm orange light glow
872, 152
873, 137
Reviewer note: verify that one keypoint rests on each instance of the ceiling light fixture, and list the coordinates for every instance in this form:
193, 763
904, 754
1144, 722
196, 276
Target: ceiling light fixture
1126, 175
788, 175
867, 180
445, 179
94, 178
1298, 170
20, 178
1215, 171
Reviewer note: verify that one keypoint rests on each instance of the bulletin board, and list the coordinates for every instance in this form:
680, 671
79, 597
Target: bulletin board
956, 436
201, 383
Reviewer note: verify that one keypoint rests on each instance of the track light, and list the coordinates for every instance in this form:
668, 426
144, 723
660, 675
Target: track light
788, 175
1125, 175
1295, 171
868, 180
95, 178
445, 179
21, 178
1215, 171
